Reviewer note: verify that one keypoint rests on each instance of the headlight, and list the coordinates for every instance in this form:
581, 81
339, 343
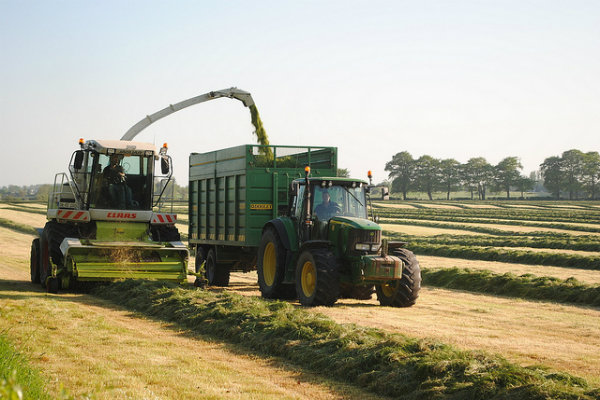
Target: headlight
362, 246
375, 247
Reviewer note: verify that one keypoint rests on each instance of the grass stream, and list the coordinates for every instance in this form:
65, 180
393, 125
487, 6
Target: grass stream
384, 363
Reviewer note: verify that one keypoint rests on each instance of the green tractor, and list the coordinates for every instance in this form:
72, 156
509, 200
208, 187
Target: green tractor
326, 247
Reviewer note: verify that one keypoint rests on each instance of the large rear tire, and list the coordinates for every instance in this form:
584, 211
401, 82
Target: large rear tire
51, 238
216, 275
317, 278
270, 267
403, 292
34, 261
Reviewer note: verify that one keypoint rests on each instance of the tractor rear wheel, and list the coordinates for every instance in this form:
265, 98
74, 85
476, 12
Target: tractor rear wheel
216, 275
270, 267
317, 278
403, 292
34, 261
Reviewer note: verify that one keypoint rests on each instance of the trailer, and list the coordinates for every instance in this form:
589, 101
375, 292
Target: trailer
234, 192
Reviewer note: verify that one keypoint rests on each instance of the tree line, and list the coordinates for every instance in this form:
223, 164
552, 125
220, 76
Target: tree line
575, 173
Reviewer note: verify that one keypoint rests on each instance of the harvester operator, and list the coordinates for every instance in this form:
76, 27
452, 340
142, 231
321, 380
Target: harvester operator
119, 192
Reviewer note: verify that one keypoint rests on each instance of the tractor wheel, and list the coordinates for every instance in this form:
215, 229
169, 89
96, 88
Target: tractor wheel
216, 275
403, 292
317, 278
359, 292
271, 267
200, 258
45, 263
50, 241
34, 261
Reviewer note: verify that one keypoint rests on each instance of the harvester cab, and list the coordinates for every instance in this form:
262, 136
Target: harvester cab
109, 218
327, 247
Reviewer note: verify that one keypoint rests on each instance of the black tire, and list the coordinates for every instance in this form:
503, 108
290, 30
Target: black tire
165, 233
359, 292
200, 258
50, 241
403, 292
317, 278
270, 267
216, 275
34, 261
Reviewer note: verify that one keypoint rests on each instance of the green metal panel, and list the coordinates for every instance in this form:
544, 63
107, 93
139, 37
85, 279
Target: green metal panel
235, 191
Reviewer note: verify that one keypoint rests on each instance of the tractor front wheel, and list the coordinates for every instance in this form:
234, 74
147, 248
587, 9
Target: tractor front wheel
403, 292
317, 278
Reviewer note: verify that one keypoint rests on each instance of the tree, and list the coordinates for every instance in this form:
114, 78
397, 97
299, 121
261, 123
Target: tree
553, 175
507, 173
427, 171
591, 172
343, 172
572, 166
478, 173
449, 175
401, 170
523, 184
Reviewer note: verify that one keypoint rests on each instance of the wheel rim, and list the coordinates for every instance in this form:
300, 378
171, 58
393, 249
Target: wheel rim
309, 278
388, 290
269, 264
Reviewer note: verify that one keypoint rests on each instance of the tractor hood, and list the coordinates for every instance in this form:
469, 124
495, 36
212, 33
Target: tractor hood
355, 222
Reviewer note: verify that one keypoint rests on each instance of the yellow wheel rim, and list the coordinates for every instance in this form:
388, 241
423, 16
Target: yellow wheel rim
269, 264
309, 278
388, 290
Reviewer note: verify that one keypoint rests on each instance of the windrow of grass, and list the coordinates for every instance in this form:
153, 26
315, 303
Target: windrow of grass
580, 243
384, 363
570, 227
30, 210
526, 286
18, 380
478, 229
553, 215
15, 226
505, 255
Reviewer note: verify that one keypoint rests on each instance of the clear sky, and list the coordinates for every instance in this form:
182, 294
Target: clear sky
451, 79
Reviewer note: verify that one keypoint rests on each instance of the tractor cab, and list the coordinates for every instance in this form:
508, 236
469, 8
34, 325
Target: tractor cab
335, 210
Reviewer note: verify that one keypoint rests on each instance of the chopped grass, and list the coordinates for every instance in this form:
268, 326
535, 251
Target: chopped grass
388, 364
526, 286
17, 227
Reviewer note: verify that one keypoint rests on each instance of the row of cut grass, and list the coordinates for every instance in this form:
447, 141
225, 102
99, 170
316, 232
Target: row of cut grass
18, 380
388, 364
580, 243
506, 255
478, 229
525, 286
6, 223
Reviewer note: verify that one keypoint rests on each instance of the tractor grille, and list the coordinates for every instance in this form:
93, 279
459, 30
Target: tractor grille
363, 236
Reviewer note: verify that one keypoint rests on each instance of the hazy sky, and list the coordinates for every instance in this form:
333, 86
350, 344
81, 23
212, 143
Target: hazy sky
451, 79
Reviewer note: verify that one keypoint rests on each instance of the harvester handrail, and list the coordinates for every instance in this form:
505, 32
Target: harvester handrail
54, 199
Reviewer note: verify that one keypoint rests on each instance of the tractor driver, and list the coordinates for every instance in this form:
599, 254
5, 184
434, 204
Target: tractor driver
327, 208
119, 192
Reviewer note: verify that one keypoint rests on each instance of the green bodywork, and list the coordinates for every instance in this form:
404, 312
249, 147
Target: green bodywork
123, 250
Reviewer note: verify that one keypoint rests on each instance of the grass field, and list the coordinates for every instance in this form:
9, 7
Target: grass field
90, 335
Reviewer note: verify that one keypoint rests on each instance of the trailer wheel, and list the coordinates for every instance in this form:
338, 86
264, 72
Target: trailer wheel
34, 261
403, 292
317, 278
270, 267
200, 258
216, 275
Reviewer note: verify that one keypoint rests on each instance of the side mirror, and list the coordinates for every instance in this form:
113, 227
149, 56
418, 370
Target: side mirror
78, 162
164, 165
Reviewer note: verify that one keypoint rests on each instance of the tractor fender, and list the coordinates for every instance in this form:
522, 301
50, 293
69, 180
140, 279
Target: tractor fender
286, 232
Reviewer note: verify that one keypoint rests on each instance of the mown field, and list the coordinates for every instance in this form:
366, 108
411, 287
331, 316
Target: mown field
520, 280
